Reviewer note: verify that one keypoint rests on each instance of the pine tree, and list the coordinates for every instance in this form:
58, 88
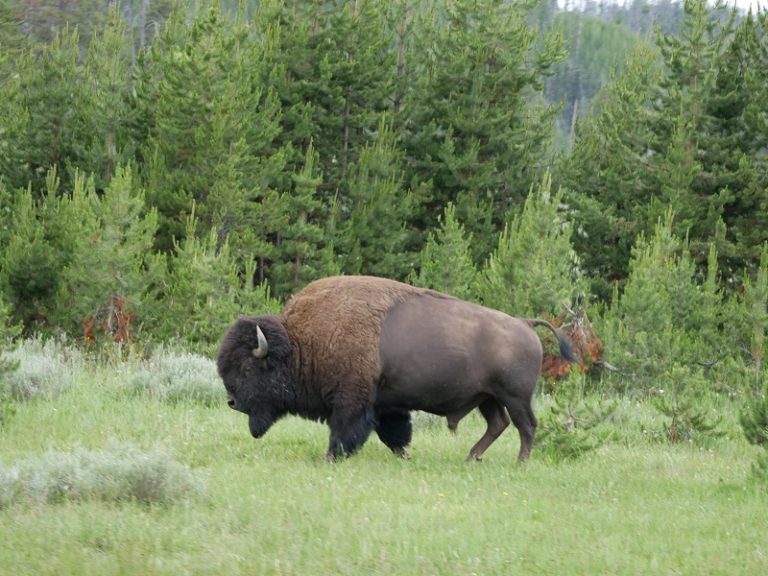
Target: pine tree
754, 414
108, 136
735, 167
374, 230
213, 128
473, 127
11, 36
302, 254
332, 68
43, 116
691, 125
663, 321
534, 270
445, 263
605, 173
14, 116
691, 62
111, 278
752, 318
35, 249
207, 287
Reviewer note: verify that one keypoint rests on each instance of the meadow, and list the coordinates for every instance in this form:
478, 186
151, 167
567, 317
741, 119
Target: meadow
117, 472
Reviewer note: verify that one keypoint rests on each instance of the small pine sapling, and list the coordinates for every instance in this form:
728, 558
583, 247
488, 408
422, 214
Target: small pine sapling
571, 426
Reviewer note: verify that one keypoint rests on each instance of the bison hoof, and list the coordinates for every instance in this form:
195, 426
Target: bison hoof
474, 458
402, 453
331, 457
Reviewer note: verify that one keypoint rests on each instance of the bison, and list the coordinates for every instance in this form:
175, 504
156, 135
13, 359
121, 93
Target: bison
360, 353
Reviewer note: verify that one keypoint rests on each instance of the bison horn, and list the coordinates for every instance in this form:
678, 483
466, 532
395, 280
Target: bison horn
263, 348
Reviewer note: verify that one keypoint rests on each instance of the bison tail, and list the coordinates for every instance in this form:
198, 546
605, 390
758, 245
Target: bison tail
566, 349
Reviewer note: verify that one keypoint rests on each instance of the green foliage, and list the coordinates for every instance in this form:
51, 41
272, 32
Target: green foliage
118, 473
34, 254
111, 131
50, 81
69, 256
314, 138
534, 270
11, 37
686, 115
8, 331
445, 262
604, 172
178, 377
331, 66
749, 316
14, 122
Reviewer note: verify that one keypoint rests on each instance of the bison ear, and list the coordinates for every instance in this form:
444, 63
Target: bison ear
262, 348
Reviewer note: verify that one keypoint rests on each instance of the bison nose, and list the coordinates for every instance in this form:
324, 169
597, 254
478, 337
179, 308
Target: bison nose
231, 401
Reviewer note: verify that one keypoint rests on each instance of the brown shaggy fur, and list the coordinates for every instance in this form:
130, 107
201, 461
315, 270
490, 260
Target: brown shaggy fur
343, 313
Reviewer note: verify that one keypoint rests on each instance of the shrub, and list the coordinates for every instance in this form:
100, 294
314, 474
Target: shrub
748, 321
754, 420
179, 377
682, 400
119, 473
8, 332
44, 368
760, 469
689, 421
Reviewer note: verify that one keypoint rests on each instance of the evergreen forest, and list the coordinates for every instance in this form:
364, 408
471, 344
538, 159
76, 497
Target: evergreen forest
167, 166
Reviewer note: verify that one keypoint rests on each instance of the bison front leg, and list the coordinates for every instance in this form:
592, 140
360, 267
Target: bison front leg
349, 431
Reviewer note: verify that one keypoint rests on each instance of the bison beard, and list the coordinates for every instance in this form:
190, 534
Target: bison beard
360, 353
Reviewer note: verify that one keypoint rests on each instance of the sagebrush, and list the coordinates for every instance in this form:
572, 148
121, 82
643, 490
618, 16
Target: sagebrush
117, 473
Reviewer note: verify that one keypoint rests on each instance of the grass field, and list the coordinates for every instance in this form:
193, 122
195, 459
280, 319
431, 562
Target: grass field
274, 506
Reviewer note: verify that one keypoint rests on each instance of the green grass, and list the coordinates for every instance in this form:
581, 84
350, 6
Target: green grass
274, 506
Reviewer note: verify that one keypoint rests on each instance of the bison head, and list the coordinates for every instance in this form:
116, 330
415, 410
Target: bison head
253, 362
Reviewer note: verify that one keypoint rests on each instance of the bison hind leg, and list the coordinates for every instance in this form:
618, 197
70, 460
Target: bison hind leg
394, 429
497, 420
349, 432
525, 421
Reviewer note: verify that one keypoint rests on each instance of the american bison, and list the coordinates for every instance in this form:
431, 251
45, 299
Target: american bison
360, 353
